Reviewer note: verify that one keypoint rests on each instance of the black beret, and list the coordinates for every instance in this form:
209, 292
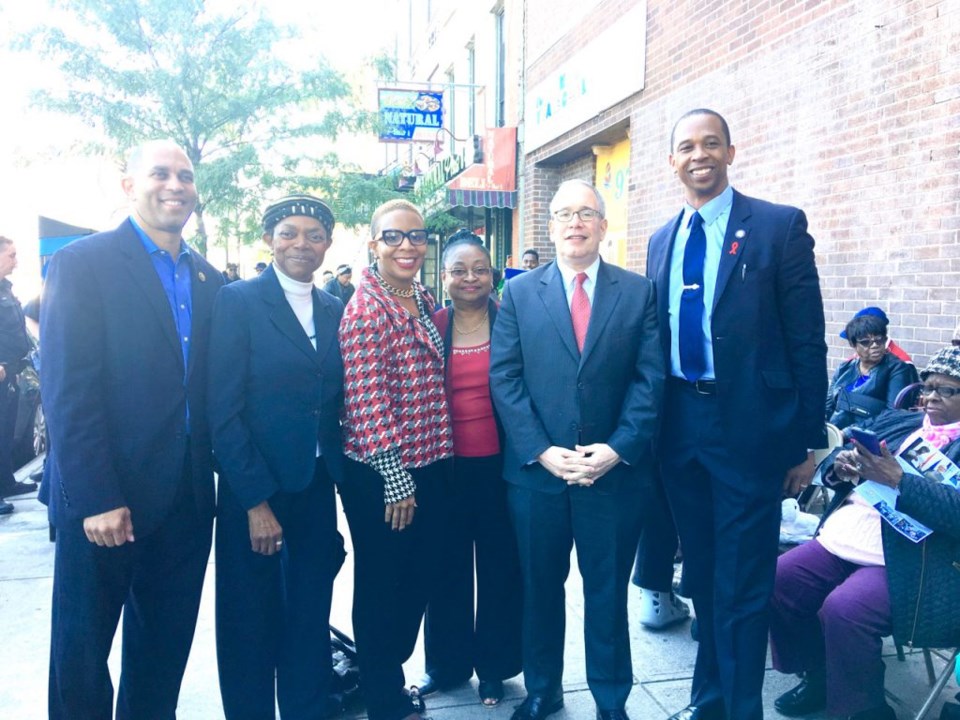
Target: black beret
298, 205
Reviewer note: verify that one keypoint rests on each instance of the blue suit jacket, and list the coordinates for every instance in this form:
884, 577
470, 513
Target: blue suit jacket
767, 331
114, 393
272, 396
547, 393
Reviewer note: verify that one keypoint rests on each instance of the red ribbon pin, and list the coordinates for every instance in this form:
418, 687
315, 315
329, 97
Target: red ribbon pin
734, 246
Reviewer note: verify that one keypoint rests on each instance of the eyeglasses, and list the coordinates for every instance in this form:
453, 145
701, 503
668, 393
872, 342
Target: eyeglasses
394, 238
942, 390
585, 214
461, 273
870, 342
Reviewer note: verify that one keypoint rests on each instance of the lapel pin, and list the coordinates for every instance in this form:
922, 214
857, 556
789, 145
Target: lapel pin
740, 234
734, 246
203, 278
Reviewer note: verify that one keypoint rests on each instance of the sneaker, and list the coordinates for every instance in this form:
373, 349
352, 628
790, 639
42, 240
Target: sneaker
659, 610
5, 507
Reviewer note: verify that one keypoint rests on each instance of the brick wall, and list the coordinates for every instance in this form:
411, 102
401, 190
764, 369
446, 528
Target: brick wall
850, 110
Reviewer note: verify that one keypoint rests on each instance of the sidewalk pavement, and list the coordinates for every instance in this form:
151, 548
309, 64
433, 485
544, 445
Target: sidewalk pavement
662, 661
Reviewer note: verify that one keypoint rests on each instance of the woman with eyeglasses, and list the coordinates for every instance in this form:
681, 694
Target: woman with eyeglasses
870, 381
458, 641
398, 441
860, 579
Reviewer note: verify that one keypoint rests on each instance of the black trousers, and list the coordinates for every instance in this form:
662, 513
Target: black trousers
653, 567
156, 580
605, 527
273, 612
475, 520
393, 573
728, 515
9, 404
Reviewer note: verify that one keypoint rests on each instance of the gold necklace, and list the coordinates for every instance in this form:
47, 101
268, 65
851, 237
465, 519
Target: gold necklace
476, 327
408, 293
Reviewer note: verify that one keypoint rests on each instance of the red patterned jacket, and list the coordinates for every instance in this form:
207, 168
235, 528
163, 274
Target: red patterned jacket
393, 381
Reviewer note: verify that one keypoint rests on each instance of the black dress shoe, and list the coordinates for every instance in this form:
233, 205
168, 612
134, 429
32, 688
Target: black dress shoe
429, 684
5, 507
612, 714
699, 712
537, 707
809, 696
17, 488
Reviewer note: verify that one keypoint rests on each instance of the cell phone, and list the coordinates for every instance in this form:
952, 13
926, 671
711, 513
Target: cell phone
866, 438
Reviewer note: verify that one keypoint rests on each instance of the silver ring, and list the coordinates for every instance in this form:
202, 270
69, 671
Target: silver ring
859, 467
279, 543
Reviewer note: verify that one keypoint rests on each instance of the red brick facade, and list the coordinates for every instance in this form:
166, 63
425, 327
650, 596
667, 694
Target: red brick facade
849, 110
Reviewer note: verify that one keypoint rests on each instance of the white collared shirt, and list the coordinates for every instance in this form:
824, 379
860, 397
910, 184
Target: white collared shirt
569, 276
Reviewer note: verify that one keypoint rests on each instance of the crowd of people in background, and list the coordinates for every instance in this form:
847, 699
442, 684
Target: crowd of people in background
474, 445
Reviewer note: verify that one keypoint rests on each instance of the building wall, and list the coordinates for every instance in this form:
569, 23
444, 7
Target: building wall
847, 109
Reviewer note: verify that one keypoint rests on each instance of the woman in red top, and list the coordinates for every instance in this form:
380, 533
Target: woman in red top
476, 518
397, 439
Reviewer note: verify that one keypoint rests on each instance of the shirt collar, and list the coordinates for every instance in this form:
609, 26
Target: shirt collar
289, 285
711, 210
569, 274
150, 246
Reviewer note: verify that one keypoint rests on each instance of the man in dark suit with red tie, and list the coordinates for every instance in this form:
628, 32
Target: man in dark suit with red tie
124, 326
741, 321
577, 375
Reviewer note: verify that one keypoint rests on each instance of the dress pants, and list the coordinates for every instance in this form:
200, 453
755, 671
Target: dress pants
393, 572
9, 405
728, 515
605, 527
273, 612
156, 580
830, 615
475, 519
653, 568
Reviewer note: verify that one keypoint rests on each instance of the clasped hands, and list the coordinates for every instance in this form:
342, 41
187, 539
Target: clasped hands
583, 465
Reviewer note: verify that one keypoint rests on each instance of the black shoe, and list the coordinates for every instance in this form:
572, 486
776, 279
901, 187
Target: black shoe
490, 692
5, 507
702, 712
612, 714
17, 488
429, 684
537, 707
37, 475
809, 696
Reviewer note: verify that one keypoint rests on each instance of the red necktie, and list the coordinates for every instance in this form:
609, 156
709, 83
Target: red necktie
580, 310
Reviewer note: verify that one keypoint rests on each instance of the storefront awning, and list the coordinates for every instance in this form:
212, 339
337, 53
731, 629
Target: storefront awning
482, 198
492, 183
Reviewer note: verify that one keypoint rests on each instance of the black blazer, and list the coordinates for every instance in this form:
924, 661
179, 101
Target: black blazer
272, 397
113, 382
767, 328
548, 393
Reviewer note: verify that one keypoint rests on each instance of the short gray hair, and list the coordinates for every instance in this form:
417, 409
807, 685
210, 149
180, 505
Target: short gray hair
601, 205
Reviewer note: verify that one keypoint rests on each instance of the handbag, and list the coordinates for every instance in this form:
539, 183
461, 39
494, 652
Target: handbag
858, 404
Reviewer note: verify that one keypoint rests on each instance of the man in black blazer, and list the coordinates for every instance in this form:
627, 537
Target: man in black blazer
577, 376
276, 393
744, 402
125, 323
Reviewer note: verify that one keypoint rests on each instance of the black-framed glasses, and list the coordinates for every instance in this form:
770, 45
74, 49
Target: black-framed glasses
870, 342
394, 238
943, 391
585, 214
461, 273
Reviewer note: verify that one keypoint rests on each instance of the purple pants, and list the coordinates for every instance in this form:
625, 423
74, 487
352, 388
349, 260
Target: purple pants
829, 614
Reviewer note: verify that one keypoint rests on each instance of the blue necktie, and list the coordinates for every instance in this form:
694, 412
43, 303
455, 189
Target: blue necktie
693, 361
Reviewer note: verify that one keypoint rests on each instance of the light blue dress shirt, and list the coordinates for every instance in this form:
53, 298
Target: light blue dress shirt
716, 216
569, 276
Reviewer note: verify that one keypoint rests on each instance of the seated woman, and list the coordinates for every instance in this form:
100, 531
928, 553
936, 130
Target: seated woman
869, 382
836, 596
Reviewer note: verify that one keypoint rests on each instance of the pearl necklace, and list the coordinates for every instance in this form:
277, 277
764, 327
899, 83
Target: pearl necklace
483, 320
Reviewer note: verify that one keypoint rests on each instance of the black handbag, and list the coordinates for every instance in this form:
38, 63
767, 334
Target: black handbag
858, 404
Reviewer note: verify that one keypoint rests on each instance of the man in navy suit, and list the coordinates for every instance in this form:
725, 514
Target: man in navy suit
125, 324
276, 392
743, 340
577, 376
